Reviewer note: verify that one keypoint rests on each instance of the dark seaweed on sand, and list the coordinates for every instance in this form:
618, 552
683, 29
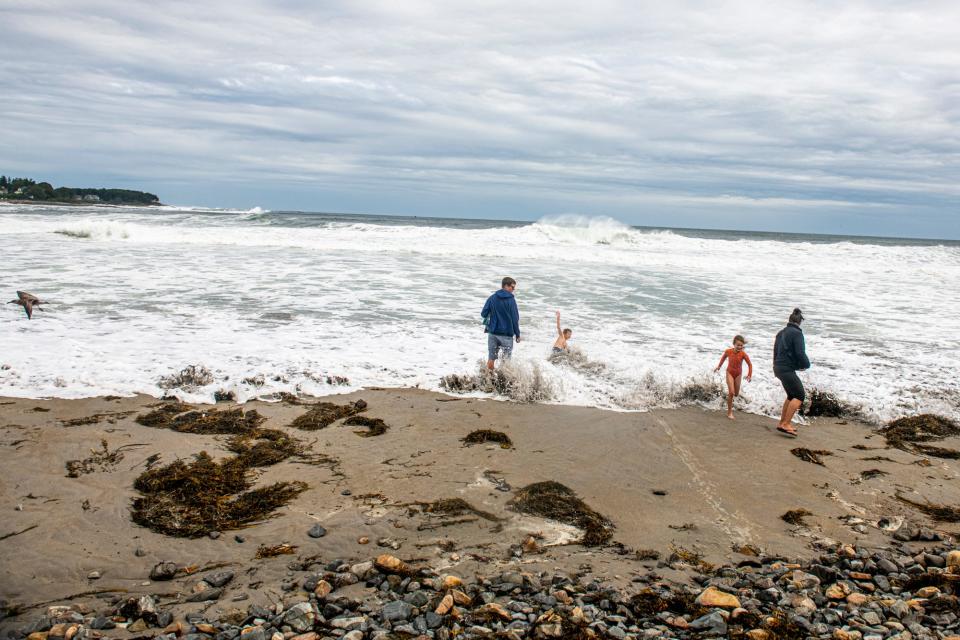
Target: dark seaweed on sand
457, 507
191, 499
872, 473
323, 414
557, 502
939, 512
937, 452
811, 455
796, 516
162, 415
481, 436
648, 603
264, 447
283, 549
823, 404
375, 426
926, 427
185, 419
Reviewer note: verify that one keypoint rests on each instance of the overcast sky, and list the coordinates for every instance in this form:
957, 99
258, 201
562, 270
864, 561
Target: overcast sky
796, 116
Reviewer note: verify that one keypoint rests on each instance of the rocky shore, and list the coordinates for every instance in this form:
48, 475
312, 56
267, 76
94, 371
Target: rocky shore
846, 593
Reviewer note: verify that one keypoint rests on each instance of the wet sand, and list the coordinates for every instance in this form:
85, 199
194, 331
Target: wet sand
725, 483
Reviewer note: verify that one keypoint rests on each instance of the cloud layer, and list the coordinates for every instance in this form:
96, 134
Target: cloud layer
790, 115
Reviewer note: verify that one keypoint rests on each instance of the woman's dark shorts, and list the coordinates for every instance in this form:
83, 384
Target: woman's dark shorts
792, 385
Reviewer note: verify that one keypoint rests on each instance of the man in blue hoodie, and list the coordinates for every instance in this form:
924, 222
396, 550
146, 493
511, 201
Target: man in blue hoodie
502, 320
790, 356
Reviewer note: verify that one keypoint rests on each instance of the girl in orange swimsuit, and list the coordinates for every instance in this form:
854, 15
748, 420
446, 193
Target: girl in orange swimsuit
735, 357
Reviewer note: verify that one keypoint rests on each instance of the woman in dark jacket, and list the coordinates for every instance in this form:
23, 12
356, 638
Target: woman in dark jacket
790, 356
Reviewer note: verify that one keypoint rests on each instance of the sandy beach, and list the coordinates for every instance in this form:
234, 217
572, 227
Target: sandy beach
683, 479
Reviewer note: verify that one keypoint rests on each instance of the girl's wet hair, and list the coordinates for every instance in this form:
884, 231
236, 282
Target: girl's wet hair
739, 338
797, 316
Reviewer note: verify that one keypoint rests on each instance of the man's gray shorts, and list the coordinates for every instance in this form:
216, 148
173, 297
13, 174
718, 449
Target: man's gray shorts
496, 344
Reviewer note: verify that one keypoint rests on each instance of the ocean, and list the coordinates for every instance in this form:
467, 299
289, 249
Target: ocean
261, 302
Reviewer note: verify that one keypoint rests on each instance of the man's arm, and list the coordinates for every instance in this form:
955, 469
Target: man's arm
516, 319
559, 331
486, 309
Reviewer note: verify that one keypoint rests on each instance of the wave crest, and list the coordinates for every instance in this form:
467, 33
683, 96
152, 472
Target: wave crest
578, 229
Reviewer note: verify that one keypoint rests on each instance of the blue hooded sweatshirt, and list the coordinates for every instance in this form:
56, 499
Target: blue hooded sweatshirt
502, 315
789, 350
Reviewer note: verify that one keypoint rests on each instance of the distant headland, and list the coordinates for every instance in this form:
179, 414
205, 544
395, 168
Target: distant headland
27, 189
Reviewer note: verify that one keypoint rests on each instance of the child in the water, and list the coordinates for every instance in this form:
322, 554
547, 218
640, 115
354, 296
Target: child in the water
560, 345
735, 357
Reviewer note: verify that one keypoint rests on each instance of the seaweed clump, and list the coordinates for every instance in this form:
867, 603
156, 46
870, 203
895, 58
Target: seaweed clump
323, 414
939, 512
811, 455
191, 499
375, 426
648, 603
796, 516
457, 507
937, 452
264, 447
906, 433
162, 415
488, 435
189, 378
283, 549
102, 459
184, 419
823, 404
557, 502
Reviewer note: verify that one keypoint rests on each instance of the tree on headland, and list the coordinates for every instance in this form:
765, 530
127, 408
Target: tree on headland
26, 188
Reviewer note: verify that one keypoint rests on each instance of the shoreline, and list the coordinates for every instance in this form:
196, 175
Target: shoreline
724, 486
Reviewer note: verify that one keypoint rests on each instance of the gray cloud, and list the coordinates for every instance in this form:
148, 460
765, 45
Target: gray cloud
785, 115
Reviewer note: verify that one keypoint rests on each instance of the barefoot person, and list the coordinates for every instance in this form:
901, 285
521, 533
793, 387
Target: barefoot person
560, 345
735, 357
502, 320
790, 356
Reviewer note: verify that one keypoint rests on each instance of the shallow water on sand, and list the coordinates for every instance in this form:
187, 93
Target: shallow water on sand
138, 294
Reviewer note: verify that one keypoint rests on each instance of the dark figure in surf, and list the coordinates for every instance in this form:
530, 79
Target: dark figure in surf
790, 356
28, 301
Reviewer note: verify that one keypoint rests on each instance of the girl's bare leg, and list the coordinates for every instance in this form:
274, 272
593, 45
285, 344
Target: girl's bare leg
731, 391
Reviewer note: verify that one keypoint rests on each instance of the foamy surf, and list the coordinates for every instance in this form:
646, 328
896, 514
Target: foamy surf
289, 300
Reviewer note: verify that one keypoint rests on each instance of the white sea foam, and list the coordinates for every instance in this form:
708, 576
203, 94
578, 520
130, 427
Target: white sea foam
139, 294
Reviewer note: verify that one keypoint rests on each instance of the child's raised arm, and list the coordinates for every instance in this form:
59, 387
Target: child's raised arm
559, 330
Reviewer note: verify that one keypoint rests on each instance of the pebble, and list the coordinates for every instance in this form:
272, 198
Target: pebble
163, 571
93, 575
316, 531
